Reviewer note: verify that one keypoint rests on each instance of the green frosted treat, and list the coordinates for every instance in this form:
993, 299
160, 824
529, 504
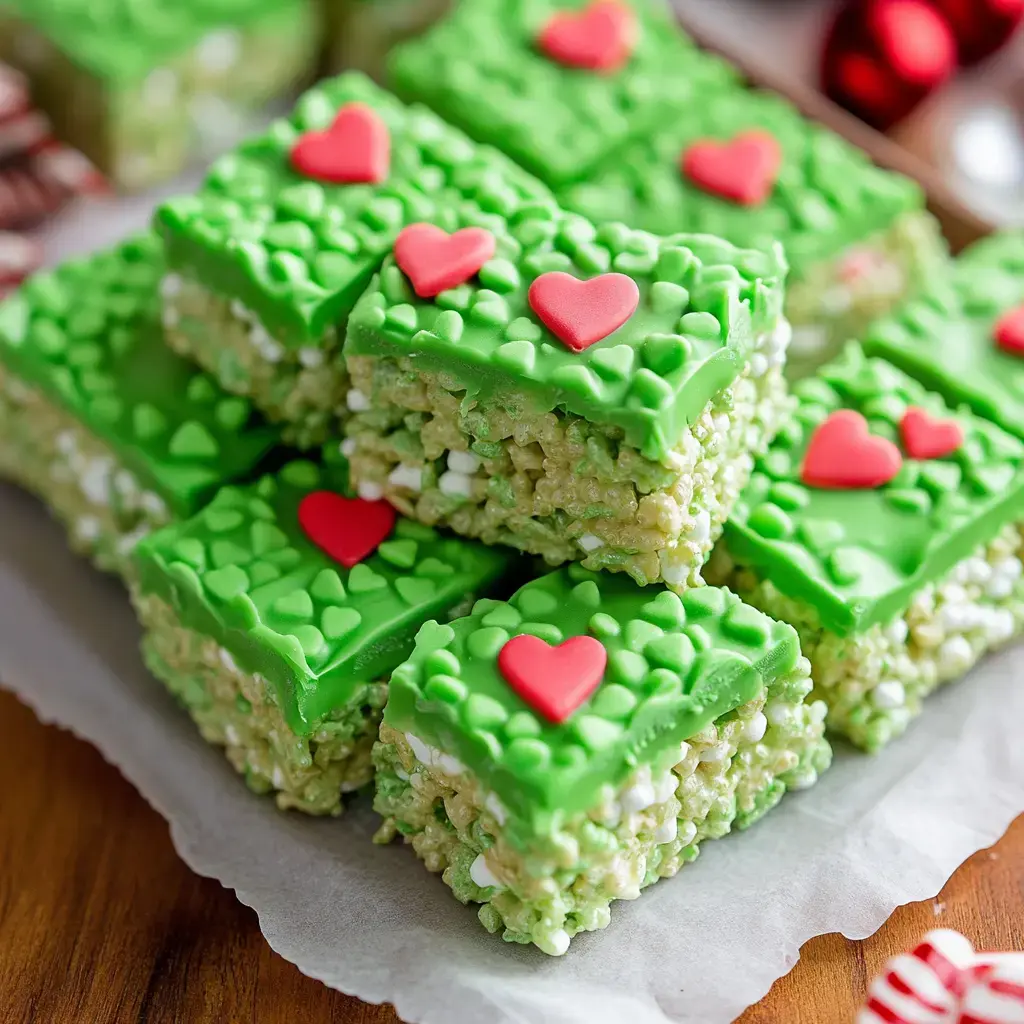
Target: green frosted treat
277, 614
533, 78
883, 525
965, 336
141, 86
579, 742
476, 410
115, 432
271, 253
747, 166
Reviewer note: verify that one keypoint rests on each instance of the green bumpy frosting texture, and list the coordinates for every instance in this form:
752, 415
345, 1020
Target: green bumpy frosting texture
123, 40
675, 664
828, 194
481, 69
88, 335
244, 573
298, 252
859, 556
702, 301
945, 337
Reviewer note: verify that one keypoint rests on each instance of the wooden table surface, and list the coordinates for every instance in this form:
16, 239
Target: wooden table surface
101, 923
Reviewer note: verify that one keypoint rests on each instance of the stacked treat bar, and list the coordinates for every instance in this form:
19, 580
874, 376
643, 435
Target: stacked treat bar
478, 373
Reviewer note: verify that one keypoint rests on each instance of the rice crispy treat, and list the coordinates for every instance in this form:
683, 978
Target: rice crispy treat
270, 255
142, 86
99, 418
885, 527
965, 336
620, 436
546, 781
747, 166
557, 84
276, 615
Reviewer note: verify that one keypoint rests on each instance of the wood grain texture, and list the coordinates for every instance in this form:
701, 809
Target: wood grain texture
100, 922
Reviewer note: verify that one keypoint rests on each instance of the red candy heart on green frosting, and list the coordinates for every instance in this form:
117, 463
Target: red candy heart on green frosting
554, 681
742, 171
1009, 332
601, 37
355, 150
842, 455
435, 261
925, 437
346, 529
580, 313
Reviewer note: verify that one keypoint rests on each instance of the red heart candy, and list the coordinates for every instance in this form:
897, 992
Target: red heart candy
925, 437
356, 149
346, 529
743, 170
554, 681
601, 37
842, 455
1009, 332
435, 261
580, 313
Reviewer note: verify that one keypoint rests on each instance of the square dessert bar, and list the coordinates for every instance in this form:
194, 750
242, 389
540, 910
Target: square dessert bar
577, 392
568, 748
965, 337
885, 527
141, 86
747, 166
277, 614
99, 418
557, 84
270, 255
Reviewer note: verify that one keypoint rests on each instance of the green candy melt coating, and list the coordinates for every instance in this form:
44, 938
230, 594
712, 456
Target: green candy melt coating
827, 196
702, 302
244, 573
859, 556
945, 337
662, 685
88, 335
298, 252
481, 69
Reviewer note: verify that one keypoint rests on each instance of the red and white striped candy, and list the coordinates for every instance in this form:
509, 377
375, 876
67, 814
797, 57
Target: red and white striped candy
19, 256
997, 996
13, 93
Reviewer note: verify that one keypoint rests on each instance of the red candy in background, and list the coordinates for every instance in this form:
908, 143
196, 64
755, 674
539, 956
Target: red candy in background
980, 26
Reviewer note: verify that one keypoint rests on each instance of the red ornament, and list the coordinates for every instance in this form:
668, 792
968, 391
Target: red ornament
743, 170
346, 529
554, 681
580, 313
1009, 332
842, 455
435, 261
980, 26
925, 437
601, 37
355, 150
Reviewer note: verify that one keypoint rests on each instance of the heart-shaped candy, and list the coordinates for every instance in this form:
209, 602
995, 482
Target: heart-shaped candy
346, 529
554, 681
435, 261
601, 37
925, 437
580, 313
842, 455
743, 170
355, 150
1009, 332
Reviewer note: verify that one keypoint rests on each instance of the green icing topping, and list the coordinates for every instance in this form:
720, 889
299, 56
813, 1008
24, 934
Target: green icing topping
123, 40
299, 252
244, 573
481, 69
702, 302
945, 337
859, 556
88, 335
827, 195
674, 665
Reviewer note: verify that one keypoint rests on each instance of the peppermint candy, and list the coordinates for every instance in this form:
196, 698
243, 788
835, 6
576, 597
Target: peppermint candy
19, 256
